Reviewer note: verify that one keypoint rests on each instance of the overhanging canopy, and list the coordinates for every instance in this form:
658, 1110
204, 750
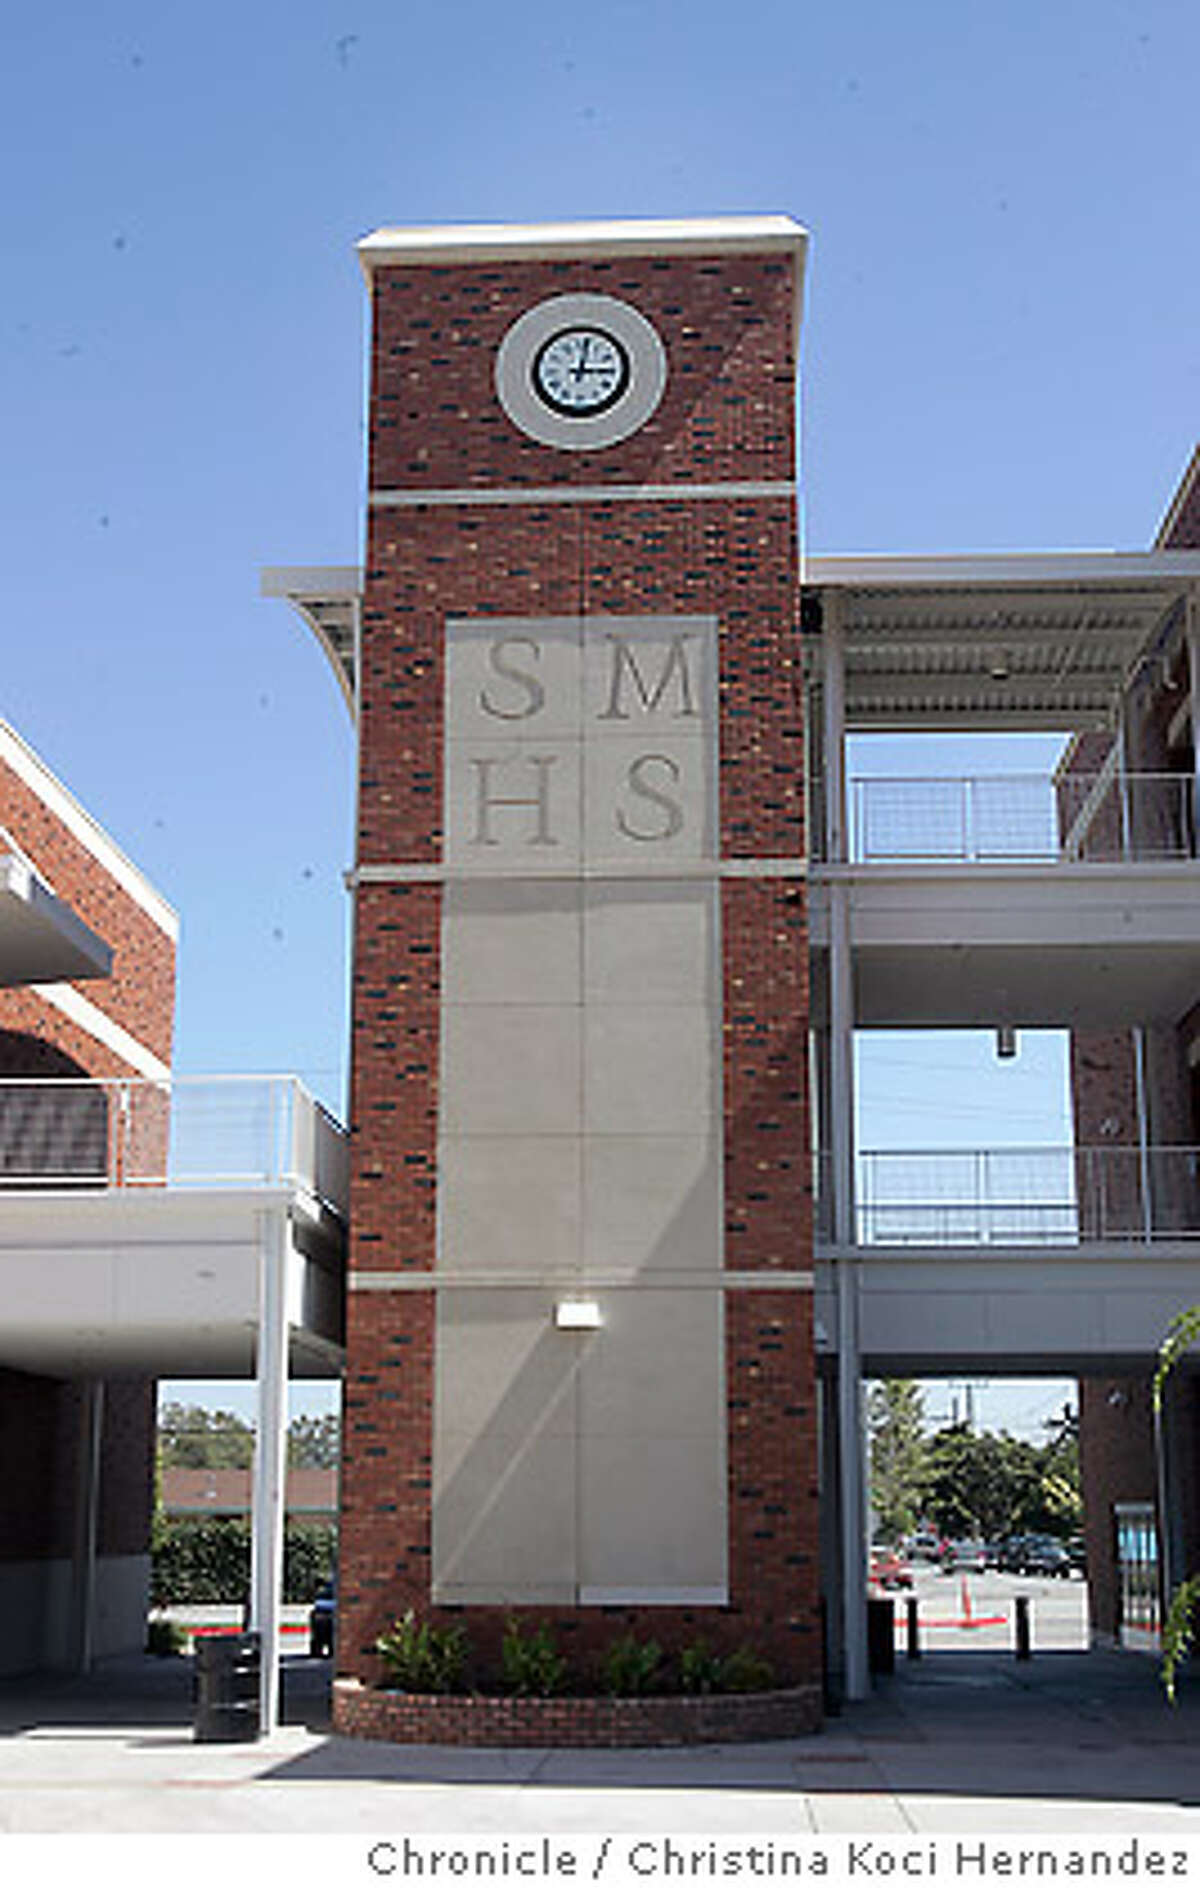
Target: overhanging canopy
1035, 641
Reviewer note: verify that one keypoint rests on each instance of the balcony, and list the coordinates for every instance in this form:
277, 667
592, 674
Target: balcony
1006, 819
1057, 1260
1028, 1196
228, 1132
137, 1217
1045, 901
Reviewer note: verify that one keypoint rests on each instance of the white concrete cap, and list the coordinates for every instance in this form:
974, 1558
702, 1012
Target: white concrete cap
505, 242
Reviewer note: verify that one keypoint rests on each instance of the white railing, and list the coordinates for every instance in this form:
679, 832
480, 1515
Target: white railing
1023, 1196
991, 818
191, 1131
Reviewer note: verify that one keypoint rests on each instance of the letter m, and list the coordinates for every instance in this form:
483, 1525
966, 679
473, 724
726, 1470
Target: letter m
650, 694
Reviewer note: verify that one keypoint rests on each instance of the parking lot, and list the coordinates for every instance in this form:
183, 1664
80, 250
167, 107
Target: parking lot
969, 1611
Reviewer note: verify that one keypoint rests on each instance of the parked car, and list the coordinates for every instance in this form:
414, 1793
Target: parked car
1048, 1557
963, 1557
322, 1619
888, 1570
1036, 1553
925, 1545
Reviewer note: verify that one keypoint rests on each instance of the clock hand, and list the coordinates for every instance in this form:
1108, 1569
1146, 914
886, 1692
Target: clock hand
581, 367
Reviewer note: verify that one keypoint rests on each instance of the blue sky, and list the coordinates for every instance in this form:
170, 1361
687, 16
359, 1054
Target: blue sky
1000, 351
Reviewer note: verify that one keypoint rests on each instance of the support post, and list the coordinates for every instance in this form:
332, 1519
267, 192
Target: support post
1171, 1560
852, 1479
270, 1459
89, 1442
1145, 1175
1192, 633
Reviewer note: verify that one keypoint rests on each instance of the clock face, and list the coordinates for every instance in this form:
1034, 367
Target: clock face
580, 371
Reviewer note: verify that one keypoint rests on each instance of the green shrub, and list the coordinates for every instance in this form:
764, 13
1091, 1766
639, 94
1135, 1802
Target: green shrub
204, 1560
165, 1638
700, 1668
421, 1657
746, 1670
631, 1667
532, 1667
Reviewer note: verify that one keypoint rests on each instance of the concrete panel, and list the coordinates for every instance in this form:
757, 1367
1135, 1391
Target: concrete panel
1014, 1310
580, 1111
648, 802
23, 1624
643, 672
152, 1286
513, 805
122, 1602
650, 1070
1089, 946
652, 1202
504, 1518
516, 677
511, 1203
651, 1513
40, 1286
512, 942
650, 944
656, 1370
510, 1070
502, 1368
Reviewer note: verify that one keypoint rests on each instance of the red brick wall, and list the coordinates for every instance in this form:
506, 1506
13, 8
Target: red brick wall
591, 1723
140, 993
436, 423
1116, 1460
39, 1416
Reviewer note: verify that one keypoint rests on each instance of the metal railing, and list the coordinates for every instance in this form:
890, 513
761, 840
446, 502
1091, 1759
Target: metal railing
190, 1131
993, 818
1022, 1196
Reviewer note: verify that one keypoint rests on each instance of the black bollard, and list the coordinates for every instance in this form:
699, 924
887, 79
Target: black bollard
1024, 1650
913, 1646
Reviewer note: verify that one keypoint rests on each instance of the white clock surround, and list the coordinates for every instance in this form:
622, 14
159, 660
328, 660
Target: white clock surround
580, 432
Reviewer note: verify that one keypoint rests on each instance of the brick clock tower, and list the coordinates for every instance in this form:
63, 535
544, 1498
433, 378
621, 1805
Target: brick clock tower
580, 1378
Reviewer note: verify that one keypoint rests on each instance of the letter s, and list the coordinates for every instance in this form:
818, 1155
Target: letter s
532, 687
673, 821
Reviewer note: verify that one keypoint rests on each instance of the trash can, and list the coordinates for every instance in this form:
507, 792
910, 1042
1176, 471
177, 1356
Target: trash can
225, 1687
881, 1635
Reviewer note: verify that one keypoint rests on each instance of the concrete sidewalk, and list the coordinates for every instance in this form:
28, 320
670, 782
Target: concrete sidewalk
957, 1744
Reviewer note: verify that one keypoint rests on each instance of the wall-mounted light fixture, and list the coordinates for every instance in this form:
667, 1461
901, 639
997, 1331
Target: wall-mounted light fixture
1006, 1042
577, 1314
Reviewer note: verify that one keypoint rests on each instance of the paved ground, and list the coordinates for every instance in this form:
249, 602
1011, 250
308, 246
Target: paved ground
976, 1611
958, 1743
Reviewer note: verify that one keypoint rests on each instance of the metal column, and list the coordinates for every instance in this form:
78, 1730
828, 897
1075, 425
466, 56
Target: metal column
852, 1478
89, 1441
1192, 633
270, 1458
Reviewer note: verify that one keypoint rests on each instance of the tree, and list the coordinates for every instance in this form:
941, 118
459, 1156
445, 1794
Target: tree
1179, 1626
190, 1436
314, 1442
896, 1432
995, 1484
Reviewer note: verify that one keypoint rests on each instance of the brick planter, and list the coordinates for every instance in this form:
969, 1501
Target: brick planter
590, 1723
